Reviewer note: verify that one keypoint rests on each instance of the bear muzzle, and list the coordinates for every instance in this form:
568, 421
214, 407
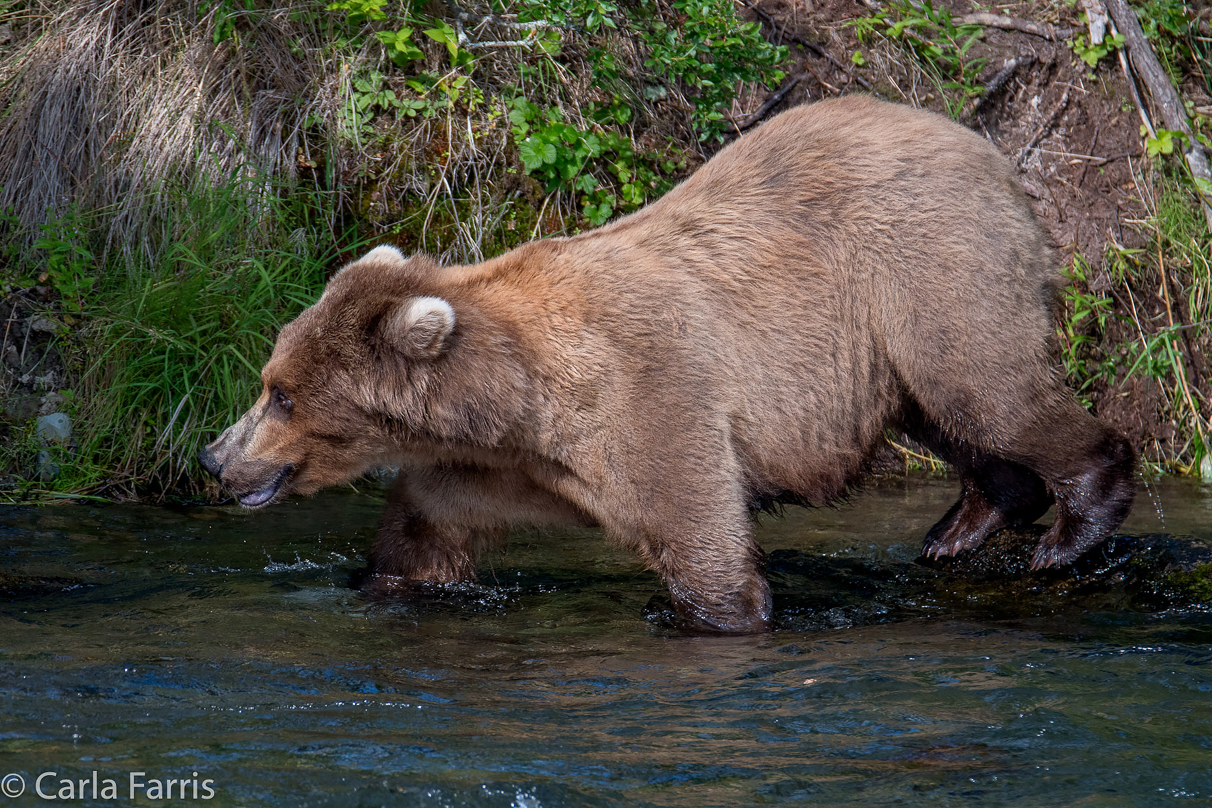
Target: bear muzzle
210, 462
254, 484
258, 497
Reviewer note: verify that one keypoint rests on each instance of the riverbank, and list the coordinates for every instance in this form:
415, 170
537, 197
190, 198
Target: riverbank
155, 239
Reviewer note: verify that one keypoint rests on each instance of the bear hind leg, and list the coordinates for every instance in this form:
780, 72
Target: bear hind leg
1094, 492
998, 494
995, 493
1087, 467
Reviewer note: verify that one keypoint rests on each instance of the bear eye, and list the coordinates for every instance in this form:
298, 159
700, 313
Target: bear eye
283, 403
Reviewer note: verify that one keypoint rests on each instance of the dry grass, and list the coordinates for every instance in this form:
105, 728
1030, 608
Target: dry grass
107, 102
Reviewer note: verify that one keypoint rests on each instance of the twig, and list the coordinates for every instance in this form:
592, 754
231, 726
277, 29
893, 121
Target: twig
821, 81
1093, 160
998, 81
1043, 130
770, 103
1085, 163
1040, 29
501, 43
462, 16
934, 462
1164, 94
810, 46
12, 312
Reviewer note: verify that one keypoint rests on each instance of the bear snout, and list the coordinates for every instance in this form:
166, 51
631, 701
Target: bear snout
261, 493
209, 462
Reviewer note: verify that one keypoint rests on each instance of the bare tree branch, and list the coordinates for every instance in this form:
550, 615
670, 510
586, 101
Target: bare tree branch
1040, 29
464, 18
1044, 129
770, 103
997, 82
1165, 95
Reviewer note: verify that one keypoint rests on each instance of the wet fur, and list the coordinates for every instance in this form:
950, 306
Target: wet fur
848, 267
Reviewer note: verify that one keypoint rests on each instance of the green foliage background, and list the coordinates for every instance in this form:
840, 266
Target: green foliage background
240, 150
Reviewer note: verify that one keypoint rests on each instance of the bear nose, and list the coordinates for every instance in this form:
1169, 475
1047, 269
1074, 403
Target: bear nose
209, 462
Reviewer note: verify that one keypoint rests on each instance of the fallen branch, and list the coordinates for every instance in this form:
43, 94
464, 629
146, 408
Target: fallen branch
769, 103
810, 46
1132, 88
1040, 29
463, 17
1165, 96
1044, 129
1102, 161
997, 82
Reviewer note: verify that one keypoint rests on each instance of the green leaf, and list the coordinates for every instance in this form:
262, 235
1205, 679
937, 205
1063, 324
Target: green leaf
535, 153
442, 32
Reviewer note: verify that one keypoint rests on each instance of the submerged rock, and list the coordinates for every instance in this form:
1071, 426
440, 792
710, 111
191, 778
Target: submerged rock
1150, 573
14, 586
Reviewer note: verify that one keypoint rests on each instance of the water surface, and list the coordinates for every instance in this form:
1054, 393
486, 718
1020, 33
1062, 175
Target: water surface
230, 645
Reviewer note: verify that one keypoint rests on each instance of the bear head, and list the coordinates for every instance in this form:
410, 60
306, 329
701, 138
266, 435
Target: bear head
342, 379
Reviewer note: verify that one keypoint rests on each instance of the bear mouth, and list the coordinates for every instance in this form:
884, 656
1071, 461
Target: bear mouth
263, 496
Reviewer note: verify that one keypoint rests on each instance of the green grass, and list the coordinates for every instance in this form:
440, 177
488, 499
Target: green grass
938, 46
168, 351
1148, 320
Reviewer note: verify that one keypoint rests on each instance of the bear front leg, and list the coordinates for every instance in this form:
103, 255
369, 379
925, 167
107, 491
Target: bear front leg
416, 544
418, 539
439, 519
715, 573
677, 499
718, 605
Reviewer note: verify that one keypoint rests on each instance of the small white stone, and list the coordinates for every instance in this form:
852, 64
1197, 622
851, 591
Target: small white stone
53, 428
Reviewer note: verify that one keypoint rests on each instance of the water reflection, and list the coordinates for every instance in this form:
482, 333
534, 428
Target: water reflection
210, 640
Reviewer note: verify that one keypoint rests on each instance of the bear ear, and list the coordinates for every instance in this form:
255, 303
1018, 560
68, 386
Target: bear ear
420, 326
385, 252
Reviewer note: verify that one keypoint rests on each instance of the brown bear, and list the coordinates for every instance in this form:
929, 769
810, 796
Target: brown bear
849, 267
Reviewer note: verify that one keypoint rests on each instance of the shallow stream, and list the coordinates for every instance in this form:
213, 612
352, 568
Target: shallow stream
220, 647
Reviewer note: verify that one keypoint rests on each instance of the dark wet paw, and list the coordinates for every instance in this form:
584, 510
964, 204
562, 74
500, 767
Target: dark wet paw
950, 543
1049, 554
377, 586
748, 612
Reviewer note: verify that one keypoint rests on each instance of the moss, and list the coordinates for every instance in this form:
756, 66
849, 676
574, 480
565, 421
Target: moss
1193, 585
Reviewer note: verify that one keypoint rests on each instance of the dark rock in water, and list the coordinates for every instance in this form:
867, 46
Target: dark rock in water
20, 587
1148, 574
1151, 572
